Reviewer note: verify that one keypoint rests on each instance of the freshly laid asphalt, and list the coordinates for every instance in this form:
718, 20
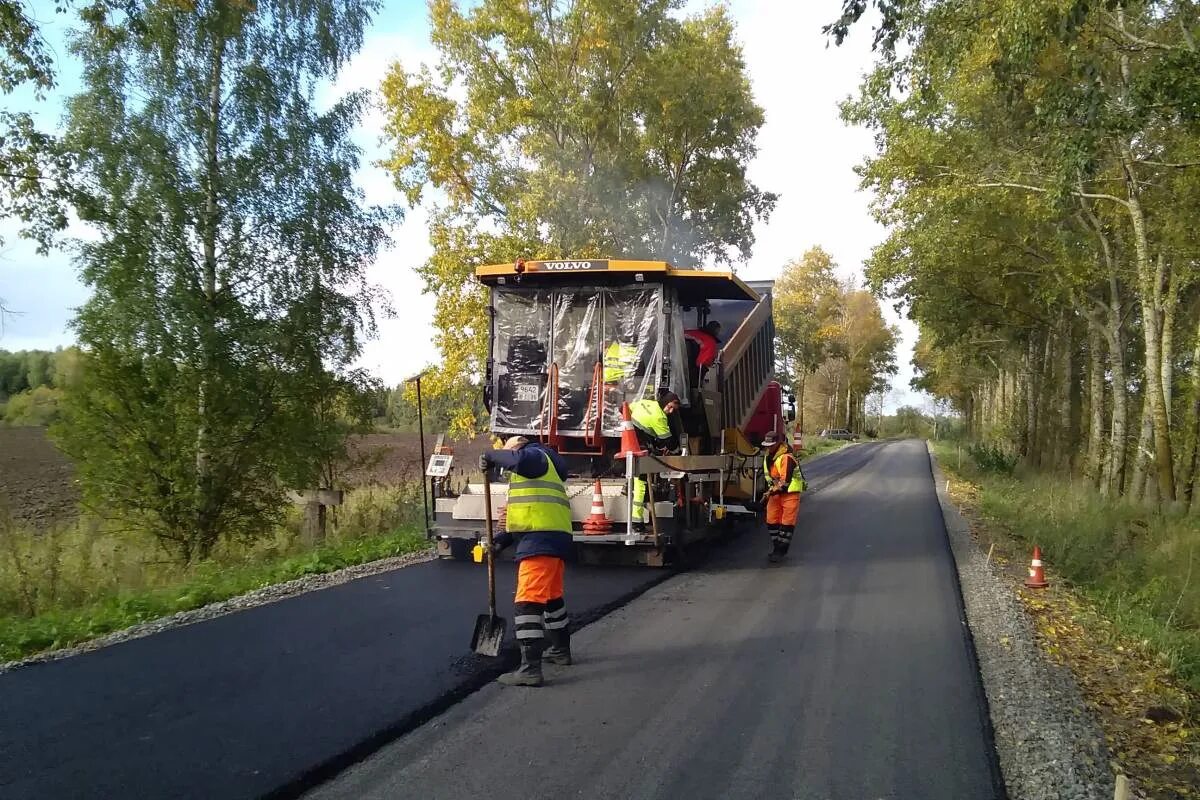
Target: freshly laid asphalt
264, 700
272, 700
845, 673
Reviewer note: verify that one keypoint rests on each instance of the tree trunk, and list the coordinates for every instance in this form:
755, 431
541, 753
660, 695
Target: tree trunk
1028, 448
803, 378
1150, 291
206, 516
1095, 405
1114, 482
1065, 437
1045, 396
1142, 454
1192, 461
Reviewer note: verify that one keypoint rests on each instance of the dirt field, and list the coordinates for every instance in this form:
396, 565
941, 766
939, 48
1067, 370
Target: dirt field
394, 457
37, 482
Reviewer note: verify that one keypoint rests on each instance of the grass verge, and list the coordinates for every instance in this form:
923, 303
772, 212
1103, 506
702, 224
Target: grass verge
1140, 567
66, 586
816, 446
1122, 612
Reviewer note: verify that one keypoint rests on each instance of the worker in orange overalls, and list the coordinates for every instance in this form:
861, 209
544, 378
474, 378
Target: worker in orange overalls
785, 482
538, 519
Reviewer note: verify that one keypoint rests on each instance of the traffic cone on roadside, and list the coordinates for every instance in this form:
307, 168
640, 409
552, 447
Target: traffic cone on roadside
629, 440
597, 522
1037, 573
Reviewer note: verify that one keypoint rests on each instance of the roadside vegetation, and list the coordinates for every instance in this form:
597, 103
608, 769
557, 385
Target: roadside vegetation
33, 382
1140, 566
1037, 169
67, 584
833, 348
1121, 611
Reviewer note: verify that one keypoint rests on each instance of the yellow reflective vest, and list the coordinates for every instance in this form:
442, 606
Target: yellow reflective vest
648, 417
619, 361
538, 504
777, 468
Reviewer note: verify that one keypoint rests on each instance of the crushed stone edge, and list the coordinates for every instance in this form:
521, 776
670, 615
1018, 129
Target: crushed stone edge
1050, 687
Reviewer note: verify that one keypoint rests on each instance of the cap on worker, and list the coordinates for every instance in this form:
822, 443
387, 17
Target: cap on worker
515, 442
770, 439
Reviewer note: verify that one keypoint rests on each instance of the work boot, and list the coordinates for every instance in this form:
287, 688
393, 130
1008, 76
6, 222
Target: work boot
773, 556
559, 651
530, 671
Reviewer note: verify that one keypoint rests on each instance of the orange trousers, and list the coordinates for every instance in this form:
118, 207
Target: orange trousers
540, 579
782, 508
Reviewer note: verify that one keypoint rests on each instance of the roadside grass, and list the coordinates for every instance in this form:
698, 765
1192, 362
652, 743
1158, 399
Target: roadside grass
1140, 567
66, 585
815, 446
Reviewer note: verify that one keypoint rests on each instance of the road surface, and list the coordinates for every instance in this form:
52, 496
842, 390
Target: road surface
265, 700
844, 673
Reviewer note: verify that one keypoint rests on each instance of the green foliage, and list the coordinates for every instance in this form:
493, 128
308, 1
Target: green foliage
442, 409
908, 421
34, 170
33, 384
23, 370
1037, 170
64, 586
40, 406
607, 128
832, 330
1139, 565
228, 274
992, 458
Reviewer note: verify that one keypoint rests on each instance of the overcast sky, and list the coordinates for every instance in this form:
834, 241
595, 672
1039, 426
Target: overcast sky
806, 155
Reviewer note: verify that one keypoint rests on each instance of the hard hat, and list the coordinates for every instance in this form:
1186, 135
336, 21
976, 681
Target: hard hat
515, 442
770, 440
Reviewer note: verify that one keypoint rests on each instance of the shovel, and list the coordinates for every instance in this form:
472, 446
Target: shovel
489, 628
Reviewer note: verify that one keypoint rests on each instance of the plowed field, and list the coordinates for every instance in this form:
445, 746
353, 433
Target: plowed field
37, 482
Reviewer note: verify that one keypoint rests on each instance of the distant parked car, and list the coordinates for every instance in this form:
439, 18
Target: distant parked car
838, 433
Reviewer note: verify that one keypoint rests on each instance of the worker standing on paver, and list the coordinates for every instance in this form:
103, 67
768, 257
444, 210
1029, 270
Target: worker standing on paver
656, 423
785, 482
705, 343
538, 519
620, 361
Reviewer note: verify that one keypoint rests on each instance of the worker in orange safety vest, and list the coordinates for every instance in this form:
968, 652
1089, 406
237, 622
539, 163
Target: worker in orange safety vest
785, 482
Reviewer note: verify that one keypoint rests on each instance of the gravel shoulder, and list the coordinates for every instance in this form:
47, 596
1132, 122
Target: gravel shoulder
1050, 748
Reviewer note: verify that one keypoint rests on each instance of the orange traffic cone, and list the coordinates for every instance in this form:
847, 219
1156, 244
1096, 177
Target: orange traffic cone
629, 440
597, 522
1037, 573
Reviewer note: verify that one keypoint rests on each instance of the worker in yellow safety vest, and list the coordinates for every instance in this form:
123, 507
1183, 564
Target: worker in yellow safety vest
652, 419
785, 482
620, 361
538, 519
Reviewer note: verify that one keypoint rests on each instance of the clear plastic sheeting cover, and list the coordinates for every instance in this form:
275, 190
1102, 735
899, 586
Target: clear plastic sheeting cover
521, 353
633, 349
602, 349
578, 331
678, 379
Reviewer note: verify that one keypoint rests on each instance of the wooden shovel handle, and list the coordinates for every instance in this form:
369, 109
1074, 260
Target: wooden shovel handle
487, 529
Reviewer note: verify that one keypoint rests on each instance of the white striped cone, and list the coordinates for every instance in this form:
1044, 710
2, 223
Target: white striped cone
1037, 572
597, 521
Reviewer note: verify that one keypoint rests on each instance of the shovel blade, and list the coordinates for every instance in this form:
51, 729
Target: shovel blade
488, 635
